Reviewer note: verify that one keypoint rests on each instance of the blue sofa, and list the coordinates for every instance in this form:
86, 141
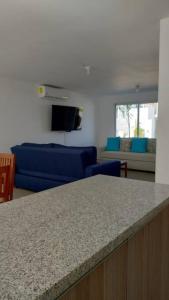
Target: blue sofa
43, 166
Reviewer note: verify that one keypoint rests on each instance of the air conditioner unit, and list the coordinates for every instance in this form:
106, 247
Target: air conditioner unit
49, 91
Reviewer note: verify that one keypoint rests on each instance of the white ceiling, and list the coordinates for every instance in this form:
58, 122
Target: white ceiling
47, 41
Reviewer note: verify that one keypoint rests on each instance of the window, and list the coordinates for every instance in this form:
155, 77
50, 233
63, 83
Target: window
136, 120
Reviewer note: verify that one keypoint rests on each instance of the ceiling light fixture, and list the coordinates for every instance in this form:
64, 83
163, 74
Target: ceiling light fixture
87, 69
137, 88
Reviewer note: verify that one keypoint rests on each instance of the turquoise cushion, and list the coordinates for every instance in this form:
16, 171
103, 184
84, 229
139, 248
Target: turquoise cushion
139, 145
113, 144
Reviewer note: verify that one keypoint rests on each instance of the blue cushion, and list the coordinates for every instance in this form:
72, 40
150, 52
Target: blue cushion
139, 145
90, 150
113, 144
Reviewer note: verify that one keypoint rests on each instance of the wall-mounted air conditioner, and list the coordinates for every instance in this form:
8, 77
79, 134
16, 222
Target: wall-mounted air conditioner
50, 91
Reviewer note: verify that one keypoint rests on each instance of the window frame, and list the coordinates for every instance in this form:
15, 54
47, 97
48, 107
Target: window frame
138, 113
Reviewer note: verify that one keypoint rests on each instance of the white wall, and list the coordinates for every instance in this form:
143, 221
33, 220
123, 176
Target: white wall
162, 163
24, 117
105, 111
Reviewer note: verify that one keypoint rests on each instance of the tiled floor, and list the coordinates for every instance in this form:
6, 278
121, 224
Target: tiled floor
18, 193
139, 175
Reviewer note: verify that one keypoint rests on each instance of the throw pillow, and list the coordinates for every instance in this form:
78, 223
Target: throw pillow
113, 144
125, 144
151, 147
139, 145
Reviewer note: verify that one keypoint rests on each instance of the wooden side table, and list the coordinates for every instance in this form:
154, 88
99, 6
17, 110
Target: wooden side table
124, 167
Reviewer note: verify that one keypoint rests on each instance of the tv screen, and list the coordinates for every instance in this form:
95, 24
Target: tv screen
65, 118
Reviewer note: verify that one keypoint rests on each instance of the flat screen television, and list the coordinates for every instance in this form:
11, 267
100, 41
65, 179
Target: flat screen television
65, 118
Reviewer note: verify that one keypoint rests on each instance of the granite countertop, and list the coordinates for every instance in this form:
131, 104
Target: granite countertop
51, 239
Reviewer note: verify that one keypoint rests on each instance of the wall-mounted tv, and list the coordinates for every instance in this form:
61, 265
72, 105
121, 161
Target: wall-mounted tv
65, 118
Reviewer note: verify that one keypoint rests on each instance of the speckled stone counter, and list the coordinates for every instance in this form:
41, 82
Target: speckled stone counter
49, 240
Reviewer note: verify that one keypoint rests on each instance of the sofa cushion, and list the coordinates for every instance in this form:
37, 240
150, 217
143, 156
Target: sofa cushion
91, 151
113, 144
151, 147
128, 156
139, 145
125, 144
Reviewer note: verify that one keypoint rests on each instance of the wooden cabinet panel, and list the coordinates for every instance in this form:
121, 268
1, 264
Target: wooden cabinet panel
90, 287
138, 270
96, 284
137, 283
115, 275
165, 256
154, 258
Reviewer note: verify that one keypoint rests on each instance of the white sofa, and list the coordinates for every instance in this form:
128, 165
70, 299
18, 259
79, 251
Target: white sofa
136, 161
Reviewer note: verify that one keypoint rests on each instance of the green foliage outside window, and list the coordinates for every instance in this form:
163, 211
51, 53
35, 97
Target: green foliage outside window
141, 132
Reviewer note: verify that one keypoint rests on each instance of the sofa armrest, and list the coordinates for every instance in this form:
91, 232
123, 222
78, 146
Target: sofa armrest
106, 168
